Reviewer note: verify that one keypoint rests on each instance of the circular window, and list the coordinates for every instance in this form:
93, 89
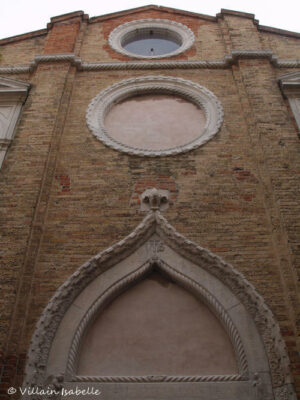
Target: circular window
150, 42
155, 116
151, 38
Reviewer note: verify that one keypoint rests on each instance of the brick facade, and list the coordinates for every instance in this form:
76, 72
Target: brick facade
65, 196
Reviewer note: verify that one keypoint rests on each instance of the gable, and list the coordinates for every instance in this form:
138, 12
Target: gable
164, 11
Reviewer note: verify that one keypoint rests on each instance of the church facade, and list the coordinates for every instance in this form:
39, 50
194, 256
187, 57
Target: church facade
149, 169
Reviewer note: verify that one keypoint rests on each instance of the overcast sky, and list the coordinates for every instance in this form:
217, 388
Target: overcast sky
20, 16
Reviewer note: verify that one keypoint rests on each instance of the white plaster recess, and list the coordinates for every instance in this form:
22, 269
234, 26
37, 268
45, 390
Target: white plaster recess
290, 86
13, 94
190, 91
165, 28
262, 361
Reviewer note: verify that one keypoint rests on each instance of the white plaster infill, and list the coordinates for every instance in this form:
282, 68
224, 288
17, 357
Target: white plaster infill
180, 33
191, 91
223, 63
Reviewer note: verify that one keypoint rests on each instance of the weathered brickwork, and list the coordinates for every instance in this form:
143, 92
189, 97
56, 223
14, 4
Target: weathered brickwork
21, 51
96, 47
283, 46
65, 196
242, 33
62, 38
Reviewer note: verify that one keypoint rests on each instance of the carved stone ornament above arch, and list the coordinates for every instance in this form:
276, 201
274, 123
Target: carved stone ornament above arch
198, 116
261, 357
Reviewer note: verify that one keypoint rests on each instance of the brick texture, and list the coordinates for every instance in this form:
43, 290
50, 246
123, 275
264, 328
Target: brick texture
65, 196
21, 51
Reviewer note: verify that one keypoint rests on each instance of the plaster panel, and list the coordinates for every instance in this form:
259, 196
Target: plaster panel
156, 328
158, 122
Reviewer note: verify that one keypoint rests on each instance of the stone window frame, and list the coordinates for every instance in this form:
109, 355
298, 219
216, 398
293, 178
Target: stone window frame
13, 95
173, 29
290, 87
159, 84
264, 372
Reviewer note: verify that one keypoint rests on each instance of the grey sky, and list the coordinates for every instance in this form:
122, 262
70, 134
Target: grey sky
21, 16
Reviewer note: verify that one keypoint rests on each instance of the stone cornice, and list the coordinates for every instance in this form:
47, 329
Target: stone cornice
226, 62
67, 17
240, 14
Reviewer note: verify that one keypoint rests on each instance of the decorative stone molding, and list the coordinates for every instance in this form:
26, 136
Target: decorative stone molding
12, 96
153, 65
191, 91
214, 269
290, 87
154, 199
187, 283
224, 63
179, 32
158, 379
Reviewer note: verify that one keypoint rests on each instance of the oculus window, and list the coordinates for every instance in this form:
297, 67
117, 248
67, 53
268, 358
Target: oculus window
155, 116
151, 43
151, 38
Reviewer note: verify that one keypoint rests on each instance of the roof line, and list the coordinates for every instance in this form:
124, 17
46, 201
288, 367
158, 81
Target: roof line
278, 31
150, 7
117, 14
24, 36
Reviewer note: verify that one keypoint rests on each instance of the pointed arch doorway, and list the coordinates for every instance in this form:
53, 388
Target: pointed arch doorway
157, 317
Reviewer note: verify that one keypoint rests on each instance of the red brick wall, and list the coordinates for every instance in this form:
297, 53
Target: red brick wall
62, 37
66, 196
